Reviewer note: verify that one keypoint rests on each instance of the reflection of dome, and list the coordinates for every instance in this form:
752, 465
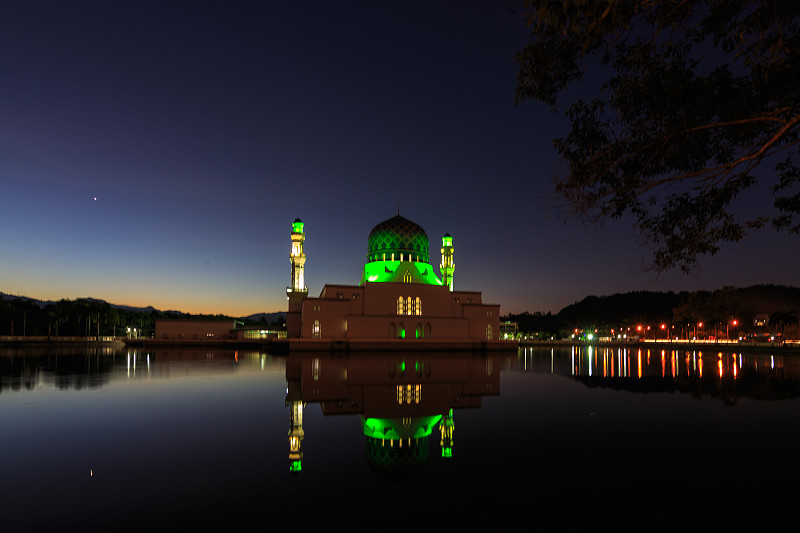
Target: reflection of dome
398, 448
398, 235
393, 461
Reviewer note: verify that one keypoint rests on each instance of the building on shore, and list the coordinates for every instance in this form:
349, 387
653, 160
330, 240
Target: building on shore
175, 330
399, 297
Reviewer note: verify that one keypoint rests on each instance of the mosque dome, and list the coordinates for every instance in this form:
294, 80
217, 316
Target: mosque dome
397, 236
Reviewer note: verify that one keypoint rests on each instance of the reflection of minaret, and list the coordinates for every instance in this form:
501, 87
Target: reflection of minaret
298, 291
446, 429
296, 434
448, 266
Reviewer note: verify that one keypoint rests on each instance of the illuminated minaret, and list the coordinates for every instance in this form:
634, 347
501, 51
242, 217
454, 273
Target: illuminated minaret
298, 291
448, 266
298, 259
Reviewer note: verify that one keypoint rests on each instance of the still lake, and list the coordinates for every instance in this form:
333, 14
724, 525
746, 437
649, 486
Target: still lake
567, 437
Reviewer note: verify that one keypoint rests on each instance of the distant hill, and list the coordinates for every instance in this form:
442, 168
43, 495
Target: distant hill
639, 306
267, 317
645, 307
41, 304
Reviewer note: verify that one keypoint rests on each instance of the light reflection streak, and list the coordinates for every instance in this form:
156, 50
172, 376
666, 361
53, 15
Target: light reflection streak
639, 363
572, 361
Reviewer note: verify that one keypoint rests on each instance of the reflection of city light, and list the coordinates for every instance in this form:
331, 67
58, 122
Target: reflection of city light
639, 362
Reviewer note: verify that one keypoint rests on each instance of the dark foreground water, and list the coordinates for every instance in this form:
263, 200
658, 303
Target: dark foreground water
173, 439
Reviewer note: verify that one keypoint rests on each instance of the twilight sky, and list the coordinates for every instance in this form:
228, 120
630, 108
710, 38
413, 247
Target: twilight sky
156, 153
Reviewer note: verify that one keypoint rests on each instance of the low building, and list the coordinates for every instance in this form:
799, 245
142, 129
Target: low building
195, 330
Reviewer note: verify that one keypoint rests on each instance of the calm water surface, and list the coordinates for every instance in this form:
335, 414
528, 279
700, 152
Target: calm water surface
148, 440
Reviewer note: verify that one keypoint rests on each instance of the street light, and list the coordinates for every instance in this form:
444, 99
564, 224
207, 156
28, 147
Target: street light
727, 328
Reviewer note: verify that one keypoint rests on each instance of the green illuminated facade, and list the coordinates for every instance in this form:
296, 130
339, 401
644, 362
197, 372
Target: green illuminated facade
399, 272
392, 245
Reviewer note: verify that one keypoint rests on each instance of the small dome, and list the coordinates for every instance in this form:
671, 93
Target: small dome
397, 236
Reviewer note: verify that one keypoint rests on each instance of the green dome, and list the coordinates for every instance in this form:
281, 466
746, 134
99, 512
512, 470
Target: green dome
397, 236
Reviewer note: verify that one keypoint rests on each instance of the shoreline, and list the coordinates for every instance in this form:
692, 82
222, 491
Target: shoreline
674, 345
371, 345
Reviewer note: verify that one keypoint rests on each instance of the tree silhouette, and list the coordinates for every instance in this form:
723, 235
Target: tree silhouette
692, 98
783, 319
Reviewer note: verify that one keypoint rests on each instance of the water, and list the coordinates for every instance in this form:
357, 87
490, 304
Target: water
103, 439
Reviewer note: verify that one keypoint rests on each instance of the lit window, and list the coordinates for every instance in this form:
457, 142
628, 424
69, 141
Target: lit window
408, 394
399, 305
406, 277
488, 332
316, 330
418, 310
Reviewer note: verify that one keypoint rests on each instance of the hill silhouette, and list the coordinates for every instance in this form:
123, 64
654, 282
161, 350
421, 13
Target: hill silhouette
654, 308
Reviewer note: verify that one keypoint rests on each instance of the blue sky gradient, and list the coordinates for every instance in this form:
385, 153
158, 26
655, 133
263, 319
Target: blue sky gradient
156, 153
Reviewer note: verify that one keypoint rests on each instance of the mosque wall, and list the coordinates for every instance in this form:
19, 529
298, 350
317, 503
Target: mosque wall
484, 320
406, 327
382, 299
325, 318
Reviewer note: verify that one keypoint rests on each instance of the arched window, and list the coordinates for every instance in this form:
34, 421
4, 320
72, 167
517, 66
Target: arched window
400, 304
316, 331
406, 277
418, 332
418, 306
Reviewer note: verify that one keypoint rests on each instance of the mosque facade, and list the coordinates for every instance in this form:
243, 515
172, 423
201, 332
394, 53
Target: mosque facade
399, 298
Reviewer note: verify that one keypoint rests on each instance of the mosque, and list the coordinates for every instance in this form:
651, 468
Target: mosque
400, 300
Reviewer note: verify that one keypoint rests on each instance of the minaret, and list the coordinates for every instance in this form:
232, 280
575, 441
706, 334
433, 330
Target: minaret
298, 291
448, 266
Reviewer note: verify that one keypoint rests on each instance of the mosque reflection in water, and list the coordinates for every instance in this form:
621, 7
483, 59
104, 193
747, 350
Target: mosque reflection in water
210, 421
402, 401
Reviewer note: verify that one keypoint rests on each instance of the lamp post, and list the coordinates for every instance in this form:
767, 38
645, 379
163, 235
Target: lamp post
727, 328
